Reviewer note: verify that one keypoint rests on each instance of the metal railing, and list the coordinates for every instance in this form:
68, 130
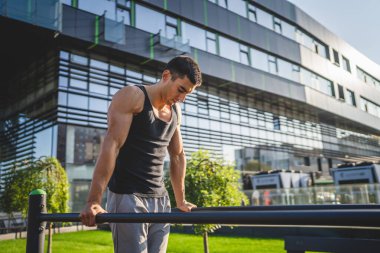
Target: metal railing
353, 216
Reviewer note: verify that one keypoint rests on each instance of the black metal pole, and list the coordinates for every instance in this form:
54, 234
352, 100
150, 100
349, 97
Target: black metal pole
283, 207
345, 217
36, 228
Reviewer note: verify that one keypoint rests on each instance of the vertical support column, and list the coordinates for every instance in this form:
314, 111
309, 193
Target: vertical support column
36, 229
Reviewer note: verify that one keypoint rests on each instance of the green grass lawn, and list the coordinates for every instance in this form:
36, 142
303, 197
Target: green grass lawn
101, 241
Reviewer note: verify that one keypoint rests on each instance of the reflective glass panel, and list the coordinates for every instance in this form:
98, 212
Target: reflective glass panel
45, 142
229, 49
78, 101
97, 104
265, 19
288, 30
101, 7
238, 6
99, 64
100, 89
285, 69
195, 35
272, 62
80, 84
149, 20
117, 69
259, 60
123, 15
79, 59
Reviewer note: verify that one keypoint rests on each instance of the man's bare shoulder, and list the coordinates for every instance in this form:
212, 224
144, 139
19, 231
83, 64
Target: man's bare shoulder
129, 99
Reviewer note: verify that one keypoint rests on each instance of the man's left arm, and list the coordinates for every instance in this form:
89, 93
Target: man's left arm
178, 171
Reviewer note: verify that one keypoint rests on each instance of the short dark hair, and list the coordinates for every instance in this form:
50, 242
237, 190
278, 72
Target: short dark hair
182, 66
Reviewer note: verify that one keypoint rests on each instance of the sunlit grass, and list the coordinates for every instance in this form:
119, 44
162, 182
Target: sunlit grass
101, 241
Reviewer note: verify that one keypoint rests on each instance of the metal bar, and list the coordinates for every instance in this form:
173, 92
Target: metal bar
355, 218
330, 244
282, 207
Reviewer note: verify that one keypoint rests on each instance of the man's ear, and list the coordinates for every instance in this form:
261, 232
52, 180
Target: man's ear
166, 75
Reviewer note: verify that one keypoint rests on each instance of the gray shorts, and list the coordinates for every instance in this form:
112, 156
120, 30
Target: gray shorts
138, 237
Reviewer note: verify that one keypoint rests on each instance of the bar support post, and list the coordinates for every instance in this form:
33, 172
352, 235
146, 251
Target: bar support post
36, 228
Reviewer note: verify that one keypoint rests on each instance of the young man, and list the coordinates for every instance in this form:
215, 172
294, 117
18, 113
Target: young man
143, 122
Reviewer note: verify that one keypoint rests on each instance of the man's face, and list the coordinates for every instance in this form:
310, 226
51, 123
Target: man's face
178, 89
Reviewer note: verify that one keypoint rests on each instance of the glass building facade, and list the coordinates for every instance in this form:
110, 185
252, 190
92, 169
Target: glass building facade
279, 92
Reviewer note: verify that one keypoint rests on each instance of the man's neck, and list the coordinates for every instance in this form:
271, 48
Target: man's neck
155, 96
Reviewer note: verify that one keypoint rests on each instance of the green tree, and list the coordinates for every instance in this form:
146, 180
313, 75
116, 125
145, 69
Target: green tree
46, 173
210, 182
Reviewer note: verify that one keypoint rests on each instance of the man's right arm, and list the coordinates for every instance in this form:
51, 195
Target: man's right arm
125, 103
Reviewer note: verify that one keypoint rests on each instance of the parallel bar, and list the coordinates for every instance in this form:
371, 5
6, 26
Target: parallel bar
283, 207
349, 217
323, 244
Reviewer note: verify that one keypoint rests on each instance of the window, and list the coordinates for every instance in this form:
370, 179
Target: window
367, 78
314, 81
123, 13
79, 59
252, 13
320, 49
308, 41
171, 27
229, 49
264, 19
346, 64
285, 69
319, 161
223, 3
361, 75
224, 110
62, 98
336, 57
296, 75
244, 55
272, 64
196, 36
98, 64
363, 104
116, 69
238, 7
370, 107
350, 97
306, 161
326, 86
259, 60
45, 142
277, 25
99, 89
79, 84
317, 82
311, 43
288, 30
96, 104
340, 92
149, 20
63, 81
211, 42
276, 123
124, 3
306, 77
202, 105
78, 101
64, 55
102, 7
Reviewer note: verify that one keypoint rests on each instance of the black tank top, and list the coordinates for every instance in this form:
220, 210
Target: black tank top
139, 165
